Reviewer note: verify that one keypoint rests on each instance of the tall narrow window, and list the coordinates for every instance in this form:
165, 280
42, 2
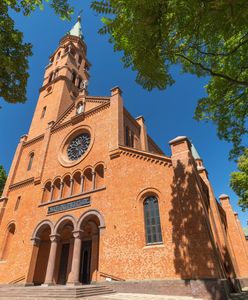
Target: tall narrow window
80, 59
31, 158
43, 112
58, 56
127, 137
50, 77
74, 76
152, 220
131, 139
79, 82
17, 203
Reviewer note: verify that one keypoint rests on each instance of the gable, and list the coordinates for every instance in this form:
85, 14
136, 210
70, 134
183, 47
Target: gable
91, 104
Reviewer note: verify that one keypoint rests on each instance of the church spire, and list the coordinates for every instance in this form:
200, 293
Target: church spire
77, 29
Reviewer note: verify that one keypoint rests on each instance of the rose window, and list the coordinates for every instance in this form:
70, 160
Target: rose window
78, 146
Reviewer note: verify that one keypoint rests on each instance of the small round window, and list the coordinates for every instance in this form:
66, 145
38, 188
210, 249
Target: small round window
78, 146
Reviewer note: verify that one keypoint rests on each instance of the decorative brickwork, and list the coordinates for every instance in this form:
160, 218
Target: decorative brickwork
80, 219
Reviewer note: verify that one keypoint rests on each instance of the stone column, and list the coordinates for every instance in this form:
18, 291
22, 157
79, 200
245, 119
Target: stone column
43, 194
33, 260
71, 186
51, 260
82, 184
75, 266
52, 189
94, 257
61, 189
93, 180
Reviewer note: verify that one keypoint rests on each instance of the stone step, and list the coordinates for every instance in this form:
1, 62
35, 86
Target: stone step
239, 296
53, 292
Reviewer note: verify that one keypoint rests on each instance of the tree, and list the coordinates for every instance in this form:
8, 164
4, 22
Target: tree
239, 180
207, 38
3, 178
14, 52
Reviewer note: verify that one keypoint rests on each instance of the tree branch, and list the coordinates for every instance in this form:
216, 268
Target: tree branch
211, 72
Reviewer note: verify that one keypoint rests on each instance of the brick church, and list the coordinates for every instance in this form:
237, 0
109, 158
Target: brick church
91, 198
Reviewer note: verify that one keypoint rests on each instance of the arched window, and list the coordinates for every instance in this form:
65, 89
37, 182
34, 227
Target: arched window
31, 158
66, 49
47, 192
56, 189
88, 178
50, 77
56, 73
74, 76
73, 52
152, 220
79, 82
80, 59
77, 183
43, 112
99, 176
8, 241
58, 55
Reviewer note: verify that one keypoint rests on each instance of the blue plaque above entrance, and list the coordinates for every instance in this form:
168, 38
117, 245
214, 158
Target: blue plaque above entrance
68, 206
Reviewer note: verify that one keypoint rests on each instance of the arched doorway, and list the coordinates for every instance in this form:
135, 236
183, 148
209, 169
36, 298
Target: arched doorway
89, 227
43, 242
65, 251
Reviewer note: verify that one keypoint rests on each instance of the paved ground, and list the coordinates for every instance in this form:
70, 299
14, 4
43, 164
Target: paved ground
130, 296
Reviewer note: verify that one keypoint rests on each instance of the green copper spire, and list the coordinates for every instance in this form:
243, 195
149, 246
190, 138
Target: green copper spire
77, 29
194, 152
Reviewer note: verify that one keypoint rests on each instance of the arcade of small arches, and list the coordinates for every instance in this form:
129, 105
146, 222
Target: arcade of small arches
74, 184
66, 252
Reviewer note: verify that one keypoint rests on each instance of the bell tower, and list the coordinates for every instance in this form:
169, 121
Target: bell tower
65, 75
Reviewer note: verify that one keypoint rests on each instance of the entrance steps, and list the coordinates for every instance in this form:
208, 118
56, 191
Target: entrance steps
52, 292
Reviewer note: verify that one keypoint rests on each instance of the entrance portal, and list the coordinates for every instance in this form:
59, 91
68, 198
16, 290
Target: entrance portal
85, 262
64, 255
63, 263
89, 250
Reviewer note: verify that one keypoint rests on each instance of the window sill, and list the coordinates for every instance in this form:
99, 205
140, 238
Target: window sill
154, 245
71, 197
3, 262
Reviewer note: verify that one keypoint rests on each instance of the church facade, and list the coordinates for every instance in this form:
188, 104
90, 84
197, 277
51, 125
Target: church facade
91, 198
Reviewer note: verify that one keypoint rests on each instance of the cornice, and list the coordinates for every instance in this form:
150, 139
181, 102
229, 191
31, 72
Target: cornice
97, 98
33, 141
130, 117
151, 141
139, 154
21, 183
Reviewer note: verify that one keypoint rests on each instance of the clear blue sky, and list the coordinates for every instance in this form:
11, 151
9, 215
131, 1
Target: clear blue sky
167, 113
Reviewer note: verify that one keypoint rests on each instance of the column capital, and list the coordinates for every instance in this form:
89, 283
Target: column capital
36, 241
54, 237
77, 234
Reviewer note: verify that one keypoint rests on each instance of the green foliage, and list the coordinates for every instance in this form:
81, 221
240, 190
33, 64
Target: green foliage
239, 180
14, 52
3, 178
207, 38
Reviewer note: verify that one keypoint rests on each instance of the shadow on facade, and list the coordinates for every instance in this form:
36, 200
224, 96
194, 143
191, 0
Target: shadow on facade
195, 255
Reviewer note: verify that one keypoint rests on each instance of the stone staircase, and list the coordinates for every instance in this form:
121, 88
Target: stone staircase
239, 296
52, 292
